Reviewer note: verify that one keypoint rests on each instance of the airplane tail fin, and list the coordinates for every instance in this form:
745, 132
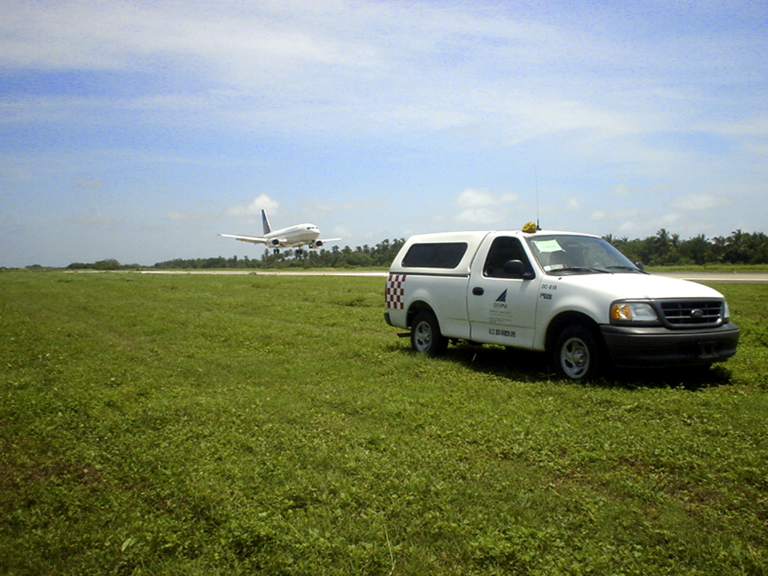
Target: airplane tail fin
265, 221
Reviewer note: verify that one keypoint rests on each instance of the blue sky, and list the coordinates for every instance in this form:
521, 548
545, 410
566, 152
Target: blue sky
139, 130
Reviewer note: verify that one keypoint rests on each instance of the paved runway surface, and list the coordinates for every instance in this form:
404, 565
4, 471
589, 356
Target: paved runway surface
269, 272
754, 277
749, 277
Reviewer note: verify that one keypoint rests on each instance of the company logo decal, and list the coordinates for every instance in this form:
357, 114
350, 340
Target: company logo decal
501, 302
395, 291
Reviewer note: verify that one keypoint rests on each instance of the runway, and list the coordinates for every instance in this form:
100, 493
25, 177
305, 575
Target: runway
743, 277
268, 272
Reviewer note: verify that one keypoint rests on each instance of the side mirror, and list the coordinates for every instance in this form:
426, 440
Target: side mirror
516, 269
640, 266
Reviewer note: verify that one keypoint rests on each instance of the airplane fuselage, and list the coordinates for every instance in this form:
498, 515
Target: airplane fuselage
294, 236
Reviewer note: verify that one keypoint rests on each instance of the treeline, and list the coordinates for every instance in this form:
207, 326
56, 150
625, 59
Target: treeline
362, 256
109, 264
665, 249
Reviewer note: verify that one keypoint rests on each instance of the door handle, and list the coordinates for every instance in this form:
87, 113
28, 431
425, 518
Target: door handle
478, 291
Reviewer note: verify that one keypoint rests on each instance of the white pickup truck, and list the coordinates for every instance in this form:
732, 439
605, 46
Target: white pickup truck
573, 296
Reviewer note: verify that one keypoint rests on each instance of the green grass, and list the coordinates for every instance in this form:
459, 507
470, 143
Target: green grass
275, 425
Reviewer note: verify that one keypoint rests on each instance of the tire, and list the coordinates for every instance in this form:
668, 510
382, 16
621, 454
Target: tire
426, 336
575, 355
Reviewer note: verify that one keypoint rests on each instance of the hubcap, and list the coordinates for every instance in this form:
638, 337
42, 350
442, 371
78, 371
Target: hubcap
574, 358
423, 336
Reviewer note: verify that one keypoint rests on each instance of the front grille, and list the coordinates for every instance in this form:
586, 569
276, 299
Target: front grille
692, 313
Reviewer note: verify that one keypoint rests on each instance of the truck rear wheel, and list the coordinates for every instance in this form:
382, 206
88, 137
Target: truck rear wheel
426, 336
575, 355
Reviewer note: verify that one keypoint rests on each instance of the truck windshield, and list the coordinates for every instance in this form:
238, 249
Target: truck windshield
569, 254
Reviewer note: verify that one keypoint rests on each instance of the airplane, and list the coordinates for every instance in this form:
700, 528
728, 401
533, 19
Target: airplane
293, 237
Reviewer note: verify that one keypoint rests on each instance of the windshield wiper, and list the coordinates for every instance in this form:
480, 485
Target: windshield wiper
627, 268
578, 270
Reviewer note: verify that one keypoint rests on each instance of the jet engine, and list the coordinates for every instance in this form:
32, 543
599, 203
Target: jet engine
316, 244
274, 242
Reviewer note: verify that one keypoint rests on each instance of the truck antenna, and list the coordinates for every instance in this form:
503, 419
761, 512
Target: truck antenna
536, 180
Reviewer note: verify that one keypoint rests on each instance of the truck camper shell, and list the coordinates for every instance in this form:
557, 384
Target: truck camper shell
439, 253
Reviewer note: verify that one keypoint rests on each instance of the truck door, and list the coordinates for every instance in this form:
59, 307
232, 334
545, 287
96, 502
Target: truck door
502, 305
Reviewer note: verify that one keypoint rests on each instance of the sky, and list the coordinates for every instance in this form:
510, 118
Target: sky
138, 130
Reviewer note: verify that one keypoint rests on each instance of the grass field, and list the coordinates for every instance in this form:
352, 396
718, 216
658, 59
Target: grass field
275, 425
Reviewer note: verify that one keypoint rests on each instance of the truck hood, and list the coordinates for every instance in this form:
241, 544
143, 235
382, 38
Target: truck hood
639, 286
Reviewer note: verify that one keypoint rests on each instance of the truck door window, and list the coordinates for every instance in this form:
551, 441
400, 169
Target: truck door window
504, 249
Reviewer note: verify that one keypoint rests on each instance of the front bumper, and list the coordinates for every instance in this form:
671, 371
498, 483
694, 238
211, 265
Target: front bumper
658, 347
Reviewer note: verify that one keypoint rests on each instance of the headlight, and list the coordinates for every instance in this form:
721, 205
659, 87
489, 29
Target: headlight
633, 312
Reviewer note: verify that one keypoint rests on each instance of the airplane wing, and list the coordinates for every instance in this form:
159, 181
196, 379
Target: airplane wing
254, 239
320, 242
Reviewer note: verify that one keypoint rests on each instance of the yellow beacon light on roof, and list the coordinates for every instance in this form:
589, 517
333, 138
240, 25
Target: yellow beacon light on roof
530, 228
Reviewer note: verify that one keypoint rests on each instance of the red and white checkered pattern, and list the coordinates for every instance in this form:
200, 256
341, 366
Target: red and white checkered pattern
395, 291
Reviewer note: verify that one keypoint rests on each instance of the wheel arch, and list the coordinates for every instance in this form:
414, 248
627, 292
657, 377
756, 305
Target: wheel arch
559, 322
417, 308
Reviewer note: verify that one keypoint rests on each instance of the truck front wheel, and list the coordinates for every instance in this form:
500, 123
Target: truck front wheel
426, 336
575, 354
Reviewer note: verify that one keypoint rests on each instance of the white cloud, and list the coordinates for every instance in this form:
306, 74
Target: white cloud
180, 216
621, 190
482, 216
253, 209
698, 202
94, 221
479, 206
327, 64
350, 69
757, 126
759, 148
477, 198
